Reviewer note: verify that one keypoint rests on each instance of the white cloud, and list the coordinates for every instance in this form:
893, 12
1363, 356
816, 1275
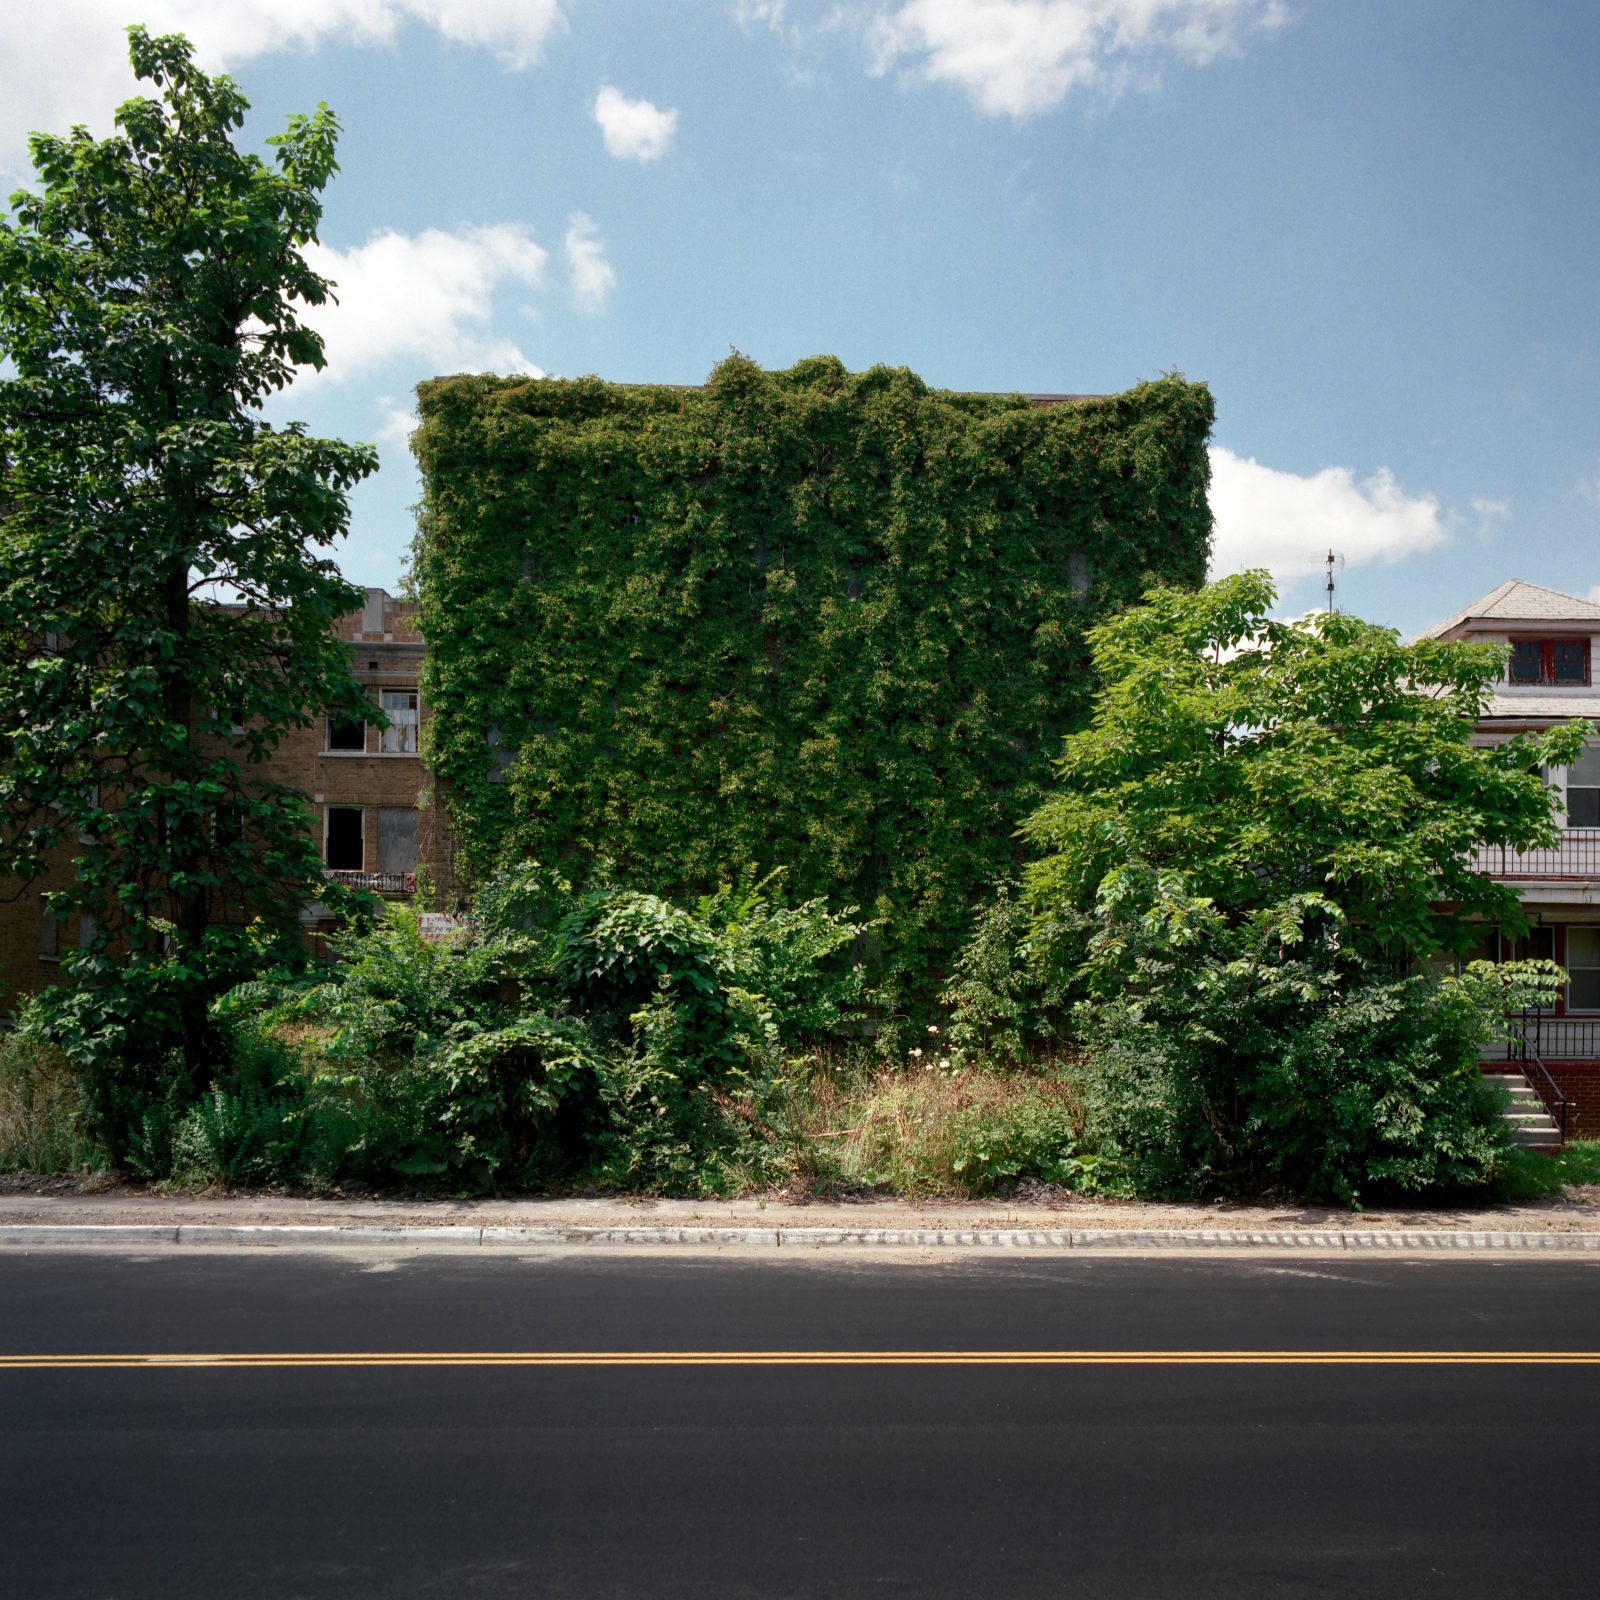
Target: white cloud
589, 274
1288, 523
634, 130
759, 13
1017, 58
427, 298
1492, 515
399, 423
1588, 487
66, 61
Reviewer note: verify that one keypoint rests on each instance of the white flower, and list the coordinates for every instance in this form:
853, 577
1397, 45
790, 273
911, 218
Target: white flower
931, 1028
916, 1052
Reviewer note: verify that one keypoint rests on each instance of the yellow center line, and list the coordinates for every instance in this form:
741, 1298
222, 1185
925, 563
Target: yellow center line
807, 1358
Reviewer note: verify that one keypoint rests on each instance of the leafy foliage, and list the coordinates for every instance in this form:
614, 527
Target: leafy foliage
1002, 1002
1266, 760
1268, 1054
602, 1032
816, 619
1266, 829
149, 302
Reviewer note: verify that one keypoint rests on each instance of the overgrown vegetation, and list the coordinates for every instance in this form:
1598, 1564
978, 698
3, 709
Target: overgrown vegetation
826, 621
1266, 831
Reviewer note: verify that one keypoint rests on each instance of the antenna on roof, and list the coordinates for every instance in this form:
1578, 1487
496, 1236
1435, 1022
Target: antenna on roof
1328, 562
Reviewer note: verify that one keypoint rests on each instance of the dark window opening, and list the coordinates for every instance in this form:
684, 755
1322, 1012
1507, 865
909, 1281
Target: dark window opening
345, 733
1526, 666
1562, 661
1537, 944
344, 839
1571, 663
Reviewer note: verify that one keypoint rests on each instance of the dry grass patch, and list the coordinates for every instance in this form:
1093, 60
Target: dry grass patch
927, 1129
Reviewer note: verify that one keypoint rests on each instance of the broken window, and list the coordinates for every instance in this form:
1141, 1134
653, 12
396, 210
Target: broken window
346, 733
343, 839
400, 706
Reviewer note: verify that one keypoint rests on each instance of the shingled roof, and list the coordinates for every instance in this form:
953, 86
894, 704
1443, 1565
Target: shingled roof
1517, 601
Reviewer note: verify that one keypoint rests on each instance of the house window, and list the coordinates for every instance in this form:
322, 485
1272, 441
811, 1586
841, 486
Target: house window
1556, 661
397, 839
345, 733
86, 929
400, 706
1583, 790
343, 844
1583, 968
1537, 944
49, 935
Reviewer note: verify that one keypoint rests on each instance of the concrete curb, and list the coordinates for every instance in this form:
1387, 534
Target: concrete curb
323, 1236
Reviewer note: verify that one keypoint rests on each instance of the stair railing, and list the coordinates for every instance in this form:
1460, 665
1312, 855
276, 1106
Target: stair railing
1525, 1052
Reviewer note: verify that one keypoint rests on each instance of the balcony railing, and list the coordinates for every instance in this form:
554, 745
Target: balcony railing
375, 882
1576, 855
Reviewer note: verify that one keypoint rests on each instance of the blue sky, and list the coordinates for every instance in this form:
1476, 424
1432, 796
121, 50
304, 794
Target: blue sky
1370, 225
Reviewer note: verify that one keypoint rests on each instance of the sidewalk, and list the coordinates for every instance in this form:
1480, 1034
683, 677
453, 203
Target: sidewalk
124, 1217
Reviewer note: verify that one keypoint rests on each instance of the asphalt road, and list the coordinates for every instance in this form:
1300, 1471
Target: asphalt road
945, 1467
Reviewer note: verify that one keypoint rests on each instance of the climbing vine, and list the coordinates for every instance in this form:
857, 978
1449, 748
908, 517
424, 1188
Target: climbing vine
815, 619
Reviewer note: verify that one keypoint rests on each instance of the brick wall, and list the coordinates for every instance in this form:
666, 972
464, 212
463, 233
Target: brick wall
1579, 1081
386, 652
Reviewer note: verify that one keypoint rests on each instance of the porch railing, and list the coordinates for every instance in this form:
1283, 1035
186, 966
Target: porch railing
1575, 855
375, 882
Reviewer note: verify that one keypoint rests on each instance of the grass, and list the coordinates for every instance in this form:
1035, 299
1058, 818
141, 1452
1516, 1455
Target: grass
41, 1125
930, 1128
1533, 1174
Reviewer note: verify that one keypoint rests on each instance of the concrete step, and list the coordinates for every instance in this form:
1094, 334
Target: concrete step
1535, 1133
1532, 1126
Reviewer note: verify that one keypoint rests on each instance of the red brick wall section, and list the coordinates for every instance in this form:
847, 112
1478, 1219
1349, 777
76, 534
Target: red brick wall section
1579, 1081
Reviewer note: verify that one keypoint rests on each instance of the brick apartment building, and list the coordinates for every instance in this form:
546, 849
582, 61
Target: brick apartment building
371, 799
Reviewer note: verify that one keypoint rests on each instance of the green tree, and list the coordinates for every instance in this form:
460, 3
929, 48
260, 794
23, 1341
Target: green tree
1263, 759
1264, 836
161, 574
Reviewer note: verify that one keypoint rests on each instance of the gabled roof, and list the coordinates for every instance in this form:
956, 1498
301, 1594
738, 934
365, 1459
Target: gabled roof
1516, 601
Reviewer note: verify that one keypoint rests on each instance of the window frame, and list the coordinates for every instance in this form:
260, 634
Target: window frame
1547, 648
1568, 1009
395, 727
331, 720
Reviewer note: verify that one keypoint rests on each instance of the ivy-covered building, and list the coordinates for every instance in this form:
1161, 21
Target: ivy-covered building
816, 620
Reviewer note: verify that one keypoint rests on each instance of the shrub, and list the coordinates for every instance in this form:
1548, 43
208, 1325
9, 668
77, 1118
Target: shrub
1001, 1006
603, 1036
1267, 1055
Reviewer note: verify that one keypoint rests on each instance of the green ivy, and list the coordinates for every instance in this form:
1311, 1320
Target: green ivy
815, 619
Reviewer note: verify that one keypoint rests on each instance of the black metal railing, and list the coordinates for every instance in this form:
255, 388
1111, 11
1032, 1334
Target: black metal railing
375, 882
1522, 1048
1575, 855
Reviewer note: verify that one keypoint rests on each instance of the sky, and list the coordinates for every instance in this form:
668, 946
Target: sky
1371, 226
